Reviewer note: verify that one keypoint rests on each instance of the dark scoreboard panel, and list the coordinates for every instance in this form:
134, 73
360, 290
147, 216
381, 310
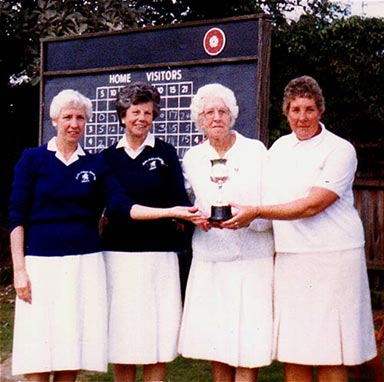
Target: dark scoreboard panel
177, 59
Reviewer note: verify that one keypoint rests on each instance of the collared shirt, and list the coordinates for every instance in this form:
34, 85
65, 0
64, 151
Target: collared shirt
149, 141
294, 168
52, 146
245, 162
153, 179
60, 205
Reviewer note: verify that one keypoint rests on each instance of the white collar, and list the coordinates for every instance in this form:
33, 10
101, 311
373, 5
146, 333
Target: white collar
212, 153
317, 138
52, 146
123, 143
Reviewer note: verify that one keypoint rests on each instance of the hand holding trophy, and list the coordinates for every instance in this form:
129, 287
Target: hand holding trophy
221, 210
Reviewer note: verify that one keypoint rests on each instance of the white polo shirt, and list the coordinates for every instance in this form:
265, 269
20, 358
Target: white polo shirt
294, 167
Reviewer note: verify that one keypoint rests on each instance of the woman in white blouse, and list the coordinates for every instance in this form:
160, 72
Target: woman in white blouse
322, 306
228, 310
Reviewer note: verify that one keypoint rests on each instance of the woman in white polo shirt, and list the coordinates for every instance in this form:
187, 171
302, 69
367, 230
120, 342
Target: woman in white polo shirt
323, 313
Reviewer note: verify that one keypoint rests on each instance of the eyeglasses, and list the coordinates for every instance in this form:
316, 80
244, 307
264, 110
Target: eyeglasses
211, 113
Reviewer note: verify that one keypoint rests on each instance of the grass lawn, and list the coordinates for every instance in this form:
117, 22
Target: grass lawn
188, 370
180, 370
6, 321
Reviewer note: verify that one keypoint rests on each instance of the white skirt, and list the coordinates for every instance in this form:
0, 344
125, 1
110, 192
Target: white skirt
65, 327
323, 309
144, 306
228, 312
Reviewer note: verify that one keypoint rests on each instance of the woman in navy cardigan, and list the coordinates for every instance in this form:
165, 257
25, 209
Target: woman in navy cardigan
58, 195
141, 256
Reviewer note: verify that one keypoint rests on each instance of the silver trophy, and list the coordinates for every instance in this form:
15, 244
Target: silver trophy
221, 210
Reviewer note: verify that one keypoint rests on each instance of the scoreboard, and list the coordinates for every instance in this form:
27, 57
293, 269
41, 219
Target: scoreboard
177, 59
172, 125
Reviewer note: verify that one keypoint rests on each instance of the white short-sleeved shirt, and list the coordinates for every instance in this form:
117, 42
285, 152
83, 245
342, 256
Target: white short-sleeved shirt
245, 162
294, 167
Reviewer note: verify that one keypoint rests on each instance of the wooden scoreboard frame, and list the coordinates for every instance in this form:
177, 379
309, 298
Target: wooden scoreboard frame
178, 59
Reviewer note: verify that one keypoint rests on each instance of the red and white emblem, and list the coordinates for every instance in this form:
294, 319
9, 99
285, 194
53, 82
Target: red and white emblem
214, 41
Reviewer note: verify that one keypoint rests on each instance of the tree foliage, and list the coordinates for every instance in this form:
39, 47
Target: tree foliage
30, 20
345, 54
25, 22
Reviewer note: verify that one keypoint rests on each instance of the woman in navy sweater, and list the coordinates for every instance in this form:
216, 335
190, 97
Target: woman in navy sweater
58, 195
141, 257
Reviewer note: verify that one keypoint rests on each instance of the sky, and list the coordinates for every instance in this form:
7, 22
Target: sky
366, 8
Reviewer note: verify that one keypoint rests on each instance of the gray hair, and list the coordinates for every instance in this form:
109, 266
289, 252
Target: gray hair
213, 91
137, 93
70, 98
306, 87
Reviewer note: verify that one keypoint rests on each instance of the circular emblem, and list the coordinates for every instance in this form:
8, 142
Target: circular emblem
214, 41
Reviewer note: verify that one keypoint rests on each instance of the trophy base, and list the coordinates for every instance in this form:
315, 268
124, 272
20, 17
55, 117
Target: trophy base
220, 213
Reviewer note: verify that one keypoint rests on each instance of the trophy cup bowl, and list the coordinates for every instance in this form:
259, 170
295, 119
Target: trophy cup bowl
220, 210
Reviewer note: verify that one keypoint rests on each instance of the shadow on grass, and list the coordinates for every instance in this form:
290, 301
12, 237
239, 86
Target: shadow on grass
189, 370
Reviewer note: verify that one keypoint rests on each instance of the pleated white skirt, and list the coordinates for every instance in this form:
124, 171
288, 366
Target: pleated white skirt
65, 327
228, 312
144, 306
323, 312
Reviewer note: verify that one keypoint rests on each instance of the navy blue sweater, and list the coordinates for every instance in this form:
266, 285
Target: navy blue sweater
59, 206
154, 178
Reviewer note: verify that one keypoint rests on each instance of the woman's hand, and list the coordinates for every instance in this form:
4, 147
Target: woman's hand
21, 280
242, 216
22, 285
189, 213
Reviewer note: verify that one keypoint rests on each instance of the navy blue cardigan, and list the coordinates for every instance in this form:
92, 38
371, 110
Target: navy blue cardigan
154, 178
59, 206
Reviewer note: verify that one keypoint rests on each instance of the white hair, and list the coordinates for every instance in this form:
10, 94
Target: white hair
213, 91
68, 98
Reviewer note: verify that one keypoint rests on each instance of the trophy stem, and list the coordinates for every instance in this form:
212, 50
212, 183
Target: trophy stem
220, 211
220, 193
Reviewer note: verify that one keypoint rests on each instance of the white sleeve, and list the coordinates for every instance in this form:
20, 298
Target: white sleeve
339, 170
188, 187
